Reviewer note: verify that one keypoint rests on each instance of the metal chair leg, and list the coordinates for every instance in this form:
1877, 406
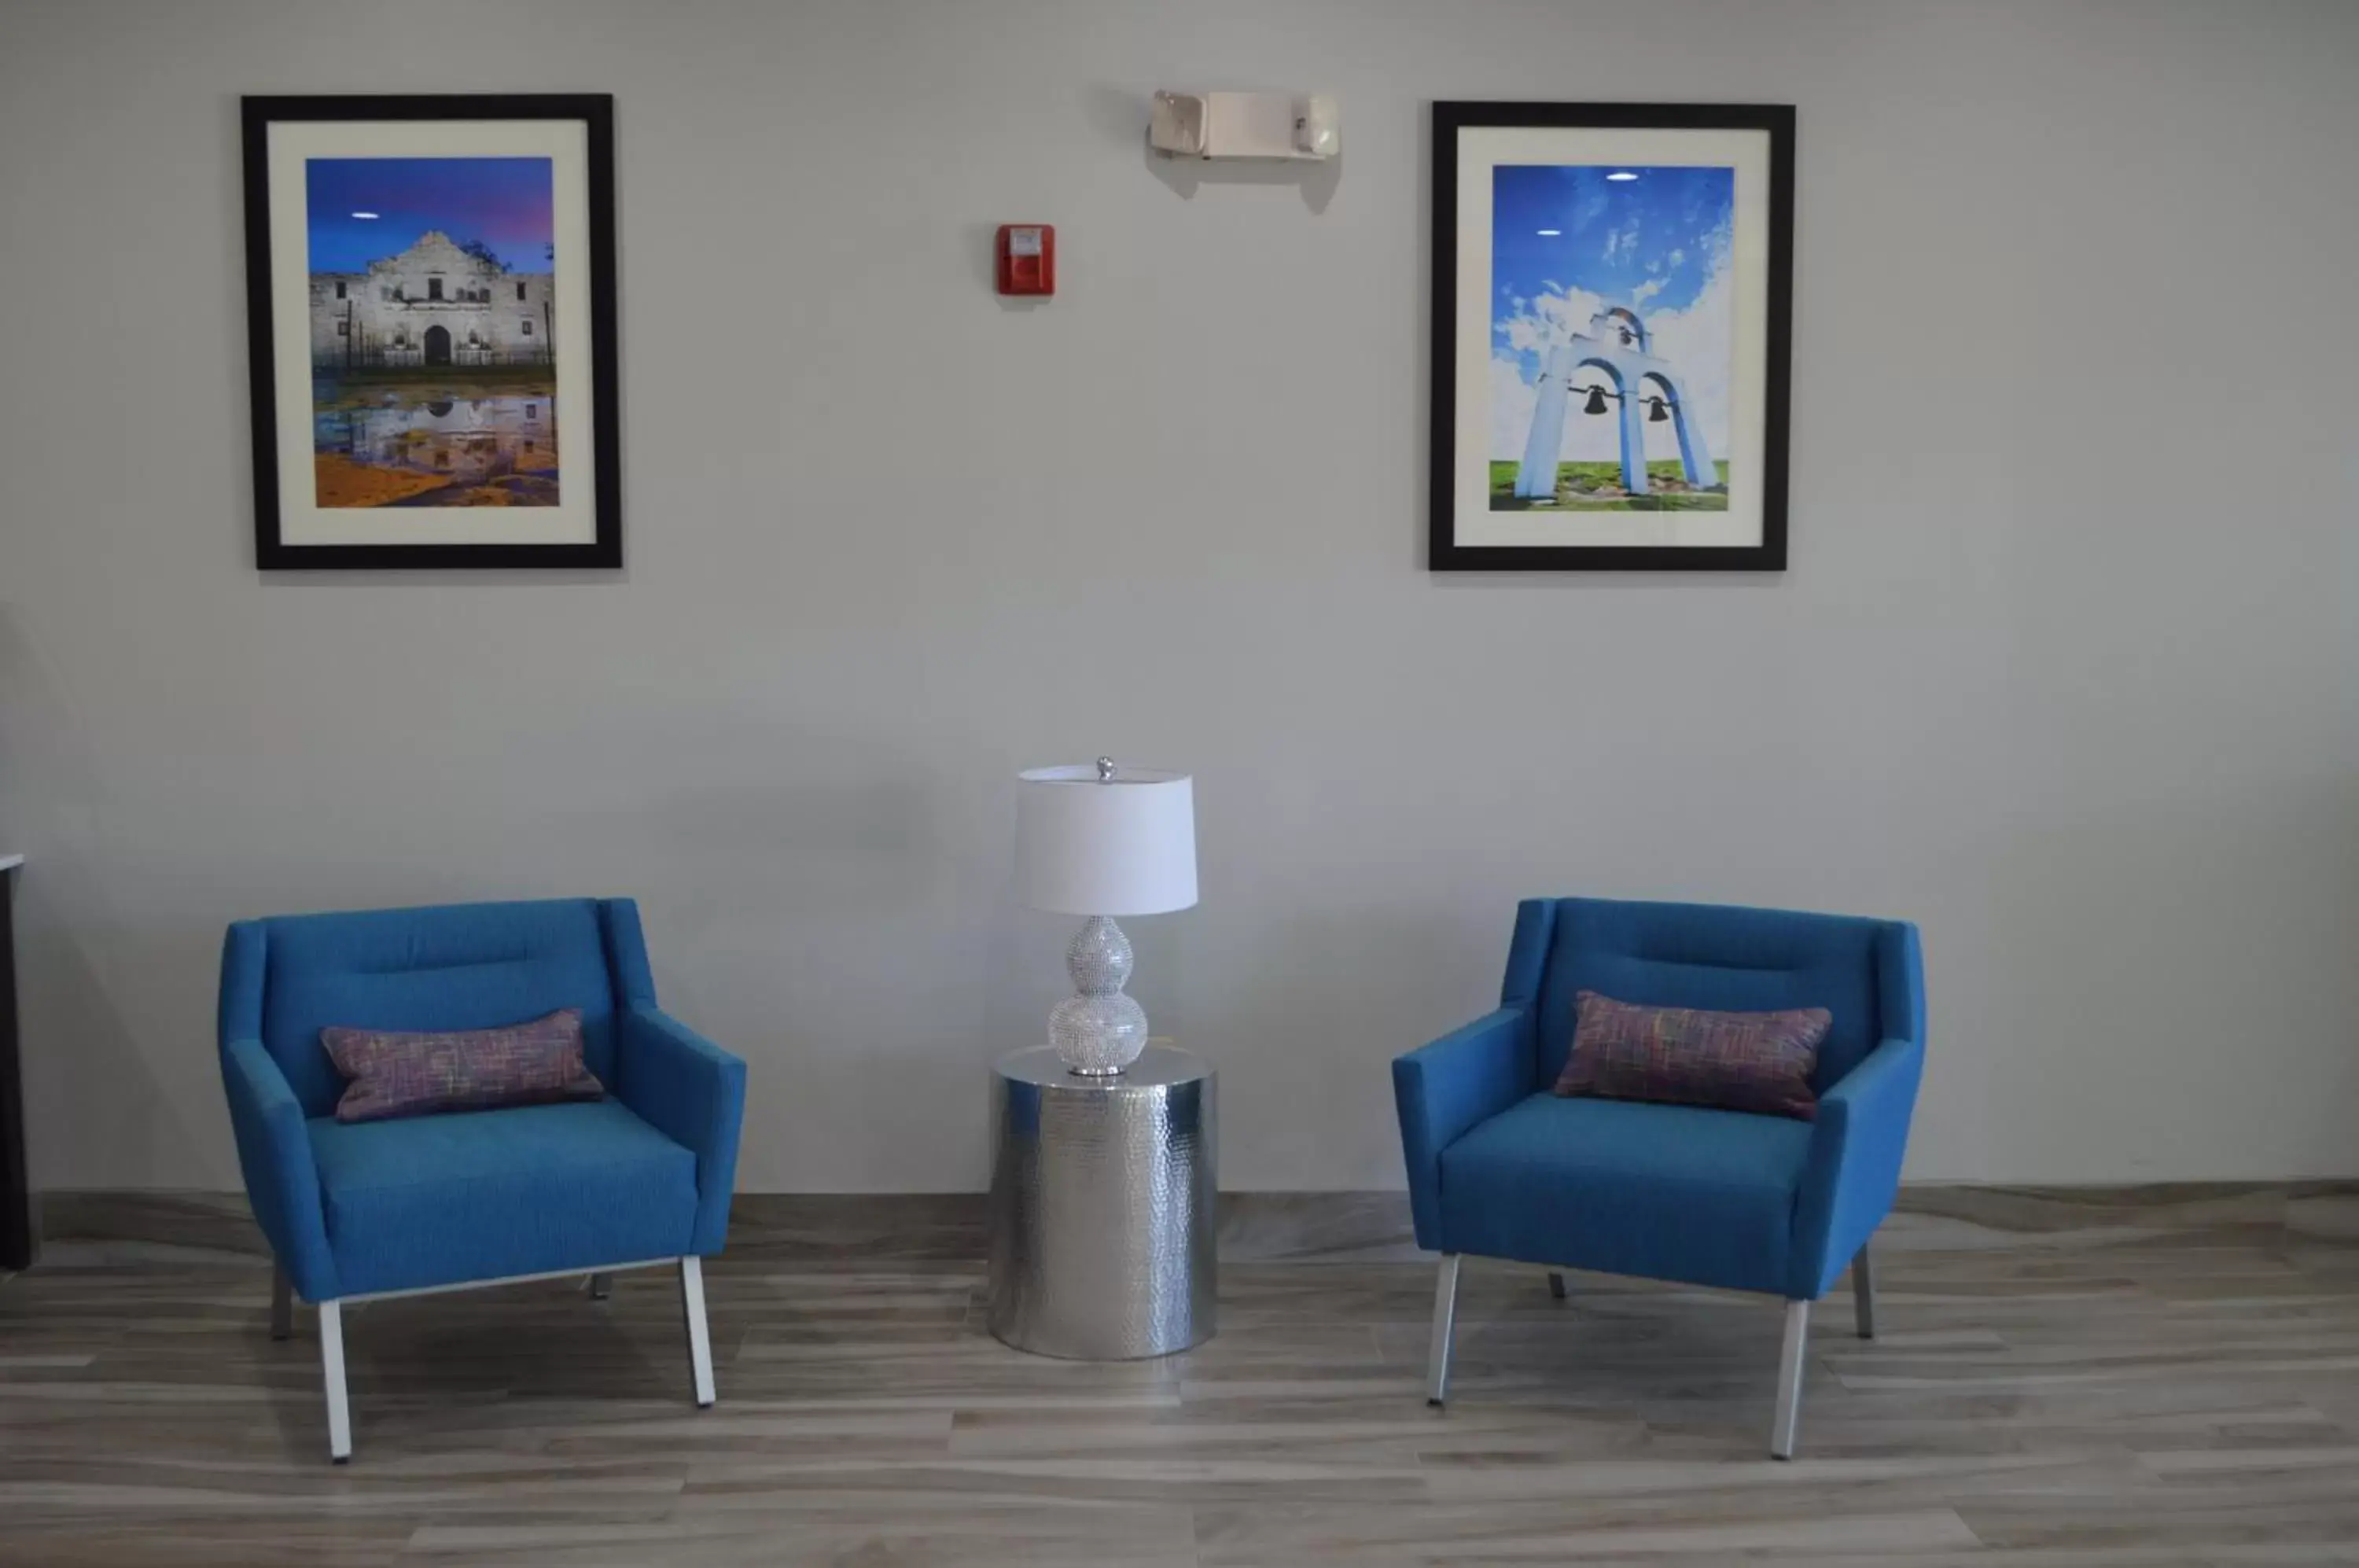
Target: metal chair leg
1863, 1292
699, 1339
1790, 1380
1556, 1284
282, 1304
331, 1372
602, 1286
1445, 1318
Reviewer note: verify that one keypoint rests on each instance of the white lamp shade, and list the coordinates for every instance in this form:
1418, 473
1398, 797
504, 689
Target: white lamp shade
1089, 846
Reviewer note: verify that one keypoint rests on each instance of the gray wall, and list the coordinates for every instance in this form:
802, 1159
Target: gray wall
2063, 668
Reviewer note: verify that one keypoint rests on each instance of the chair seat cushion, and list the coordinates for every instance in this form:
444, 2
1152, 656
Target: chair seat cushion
483, 1194
1624, 1187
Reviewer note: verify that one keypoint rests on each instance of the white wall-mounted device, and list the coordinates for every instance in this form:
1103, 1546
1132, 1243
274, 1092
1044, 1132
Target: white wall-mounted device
1246, 124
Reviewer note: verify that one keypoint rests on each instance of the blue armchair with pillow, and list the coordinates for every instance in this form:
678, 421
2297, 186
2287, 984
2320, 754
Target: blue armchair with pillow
1501, 1166
359, 1210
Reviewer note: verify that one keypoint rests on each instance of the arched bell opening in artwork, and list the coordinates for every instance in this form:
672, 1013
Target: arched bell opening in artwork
1610, 370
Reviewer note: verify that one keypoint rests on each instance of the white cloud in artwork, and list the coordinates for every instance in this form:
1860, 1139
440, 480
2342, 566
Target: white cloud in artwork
1549, 318
1700, 344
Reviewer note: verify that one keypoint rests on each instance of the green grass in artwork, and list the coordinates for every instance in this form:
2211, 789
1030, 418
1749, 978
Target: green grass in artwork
1597, 487
382, 384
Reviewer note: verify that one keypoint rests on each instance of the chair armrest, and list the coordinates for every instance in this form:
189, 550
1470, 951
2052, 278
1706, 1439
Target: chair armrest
274, 1153
1443, 1089
693, 1093
1853, 1169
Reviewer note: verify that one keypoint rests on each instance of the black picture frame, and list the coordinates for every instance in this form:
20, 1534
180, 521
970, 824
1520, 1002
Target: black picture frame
596, 114
16, 1226
1445, 552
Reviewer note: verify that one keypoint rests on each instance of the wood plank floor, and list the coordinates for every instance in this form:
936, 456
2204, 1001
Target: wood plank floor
2105, 1393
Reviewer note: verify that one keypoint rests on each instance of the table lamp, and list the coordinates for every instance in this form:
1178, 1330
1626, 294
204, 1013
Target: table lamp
1104, 840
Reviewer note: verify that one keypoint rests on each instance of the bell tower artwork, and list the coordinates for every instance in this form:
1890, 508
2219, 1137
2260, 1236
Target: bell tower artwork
1611, 310
1613, 364
1611, 352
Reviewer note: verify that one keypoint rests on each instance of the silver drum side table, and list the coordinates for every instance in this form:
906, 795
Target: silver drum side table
1103, 1194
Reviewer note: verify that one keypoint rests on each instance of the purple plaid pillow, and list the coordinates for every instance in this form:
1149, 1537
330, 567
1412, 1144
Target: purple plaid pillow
474, 1069
1685, 1056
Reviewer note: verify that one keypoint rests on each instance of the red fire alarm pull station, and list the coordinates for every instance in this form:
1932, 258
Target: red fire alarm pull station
1028, 258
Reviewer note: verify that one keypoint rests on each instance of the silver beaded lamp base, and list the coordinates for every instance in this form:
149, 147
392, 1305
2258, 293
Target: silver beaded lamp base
1098, 1030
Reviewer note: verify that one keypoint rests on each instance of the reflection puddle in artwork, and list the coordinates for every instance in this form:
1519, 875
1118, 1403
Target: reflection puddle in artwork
409, 445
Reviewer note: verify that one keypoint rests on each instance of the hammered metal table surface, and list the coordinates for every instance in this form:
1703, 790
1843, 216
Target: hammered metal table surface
1103, 1194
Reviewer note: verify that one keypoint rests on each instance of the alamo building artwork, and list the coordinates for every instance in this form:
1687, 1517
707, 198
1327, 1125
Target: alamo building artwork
436, 303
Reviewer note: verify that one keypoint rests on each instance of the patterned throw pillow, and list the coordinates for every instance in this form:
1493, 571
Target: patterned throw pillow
474, 1069
1685, 1056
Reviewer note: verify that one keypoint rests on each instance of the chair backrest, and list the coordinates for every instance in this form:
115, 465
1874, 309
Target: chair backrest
1732, 959
452, 967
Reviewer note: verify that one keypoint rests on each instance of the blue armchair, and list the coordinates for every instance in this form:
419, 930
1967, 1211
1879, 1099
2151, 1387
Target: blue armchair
1499, 1167
358, 1211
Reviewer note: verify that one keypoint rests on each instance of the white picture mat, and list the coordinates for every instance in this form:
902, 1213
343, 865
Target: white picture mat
1481, 149
301, 519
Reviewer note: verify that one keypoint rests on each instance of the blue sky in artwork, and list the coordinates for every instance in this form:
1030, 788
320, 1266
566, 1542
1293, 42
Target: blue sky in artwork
1569, 241
1652, 242
503, 201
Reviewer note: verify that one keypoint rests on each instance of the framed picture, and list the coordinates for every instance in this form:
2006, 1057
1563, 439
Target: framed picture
1612, 304
430, 298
